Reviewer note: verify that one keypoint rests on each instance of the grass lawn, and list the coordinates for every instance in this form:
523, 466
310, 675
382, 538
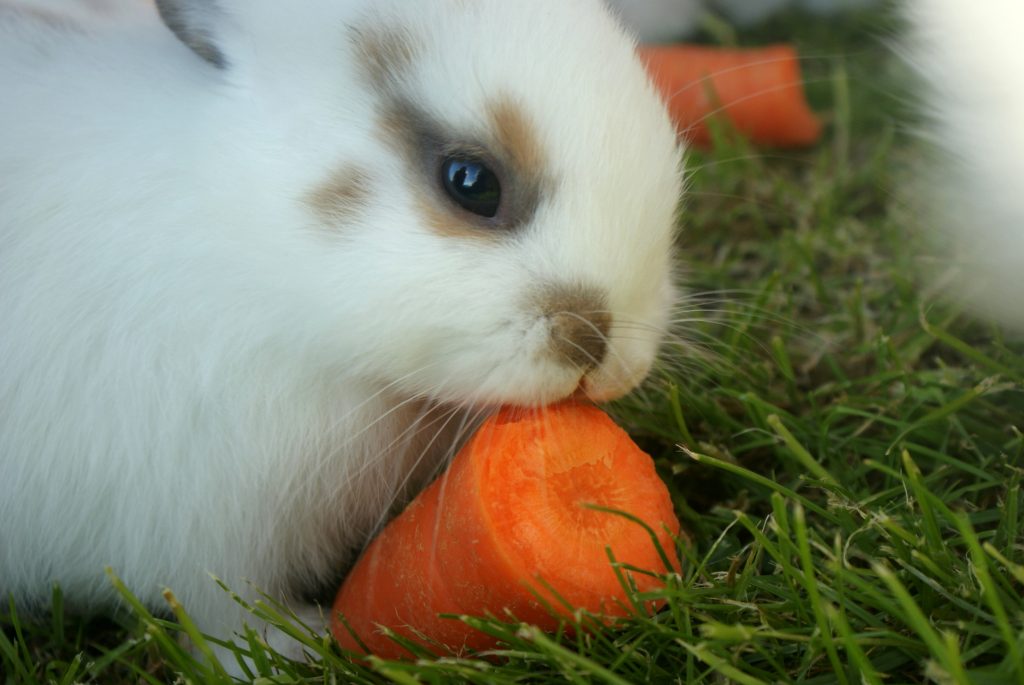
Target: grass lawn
851, 475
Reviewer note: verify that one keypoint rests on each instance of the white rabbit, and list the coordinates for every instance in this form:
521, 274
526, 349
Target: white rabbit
969, 56
257, 276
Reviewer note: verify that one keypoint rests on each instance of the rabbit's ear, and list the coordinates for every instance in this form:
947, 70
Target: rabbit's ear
196, 23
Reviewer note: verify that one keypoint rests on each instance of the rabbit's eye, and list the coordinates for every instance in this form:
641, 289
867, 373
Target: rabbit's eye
472, 184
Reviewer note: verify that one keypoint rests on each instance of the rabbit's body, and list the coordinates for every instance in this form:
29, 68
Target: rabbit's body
153, 420
240, 314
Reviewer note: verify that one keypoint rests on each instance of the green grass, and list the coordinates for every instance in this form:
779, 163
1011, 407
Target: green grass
843, 446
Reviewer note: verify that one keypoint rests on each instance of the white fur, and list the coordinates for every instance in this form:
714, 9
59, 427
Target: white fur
970, 58
195, 375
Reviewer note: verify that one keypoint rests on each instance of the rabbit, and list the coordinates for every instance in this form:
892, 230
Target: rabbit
264, 264
968, 58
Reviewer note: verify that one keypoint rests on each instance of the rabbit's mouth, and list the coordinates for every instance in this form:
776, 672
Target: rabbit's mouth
583, 339
559, 342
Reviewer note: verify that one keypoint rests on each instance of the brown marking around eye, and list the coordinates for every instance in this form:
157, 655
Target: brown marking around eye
516, 137
580, 323
507, 142
405, 129
384, 55
442, 223
341, 197
420, 141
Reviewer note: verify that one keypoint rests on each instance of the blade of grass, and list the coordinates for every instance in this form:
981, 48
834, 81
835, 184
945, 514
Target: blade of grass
916, 619
215, 671
759, 479
799, 451
11, 653
720, 665
810, 583
852, 644
946, 409
570, 658
969, 351
991, 594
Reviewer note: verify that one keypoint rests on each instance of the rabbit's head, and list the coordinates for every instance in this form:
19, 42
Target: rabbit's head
485, 190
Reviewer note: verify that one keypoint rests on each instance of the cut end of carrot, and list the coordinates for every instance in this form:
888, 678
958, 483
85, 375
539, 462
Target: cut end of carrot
566, 497
521, 523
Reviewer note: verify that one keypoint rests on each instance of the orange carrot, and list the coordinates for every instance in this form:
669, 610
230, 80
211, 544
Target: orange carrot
507, 518
759, 90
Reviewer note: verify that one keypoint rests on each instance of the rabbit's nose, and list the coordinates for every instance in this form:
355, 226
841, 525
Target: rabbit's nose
580, 338
579, 324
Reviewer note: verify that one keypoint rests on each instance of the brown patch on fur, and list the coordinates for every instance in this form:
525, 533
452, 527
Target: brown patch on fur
516, 137
580, 324
384, 54
401, 126
341, 197
443, 223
